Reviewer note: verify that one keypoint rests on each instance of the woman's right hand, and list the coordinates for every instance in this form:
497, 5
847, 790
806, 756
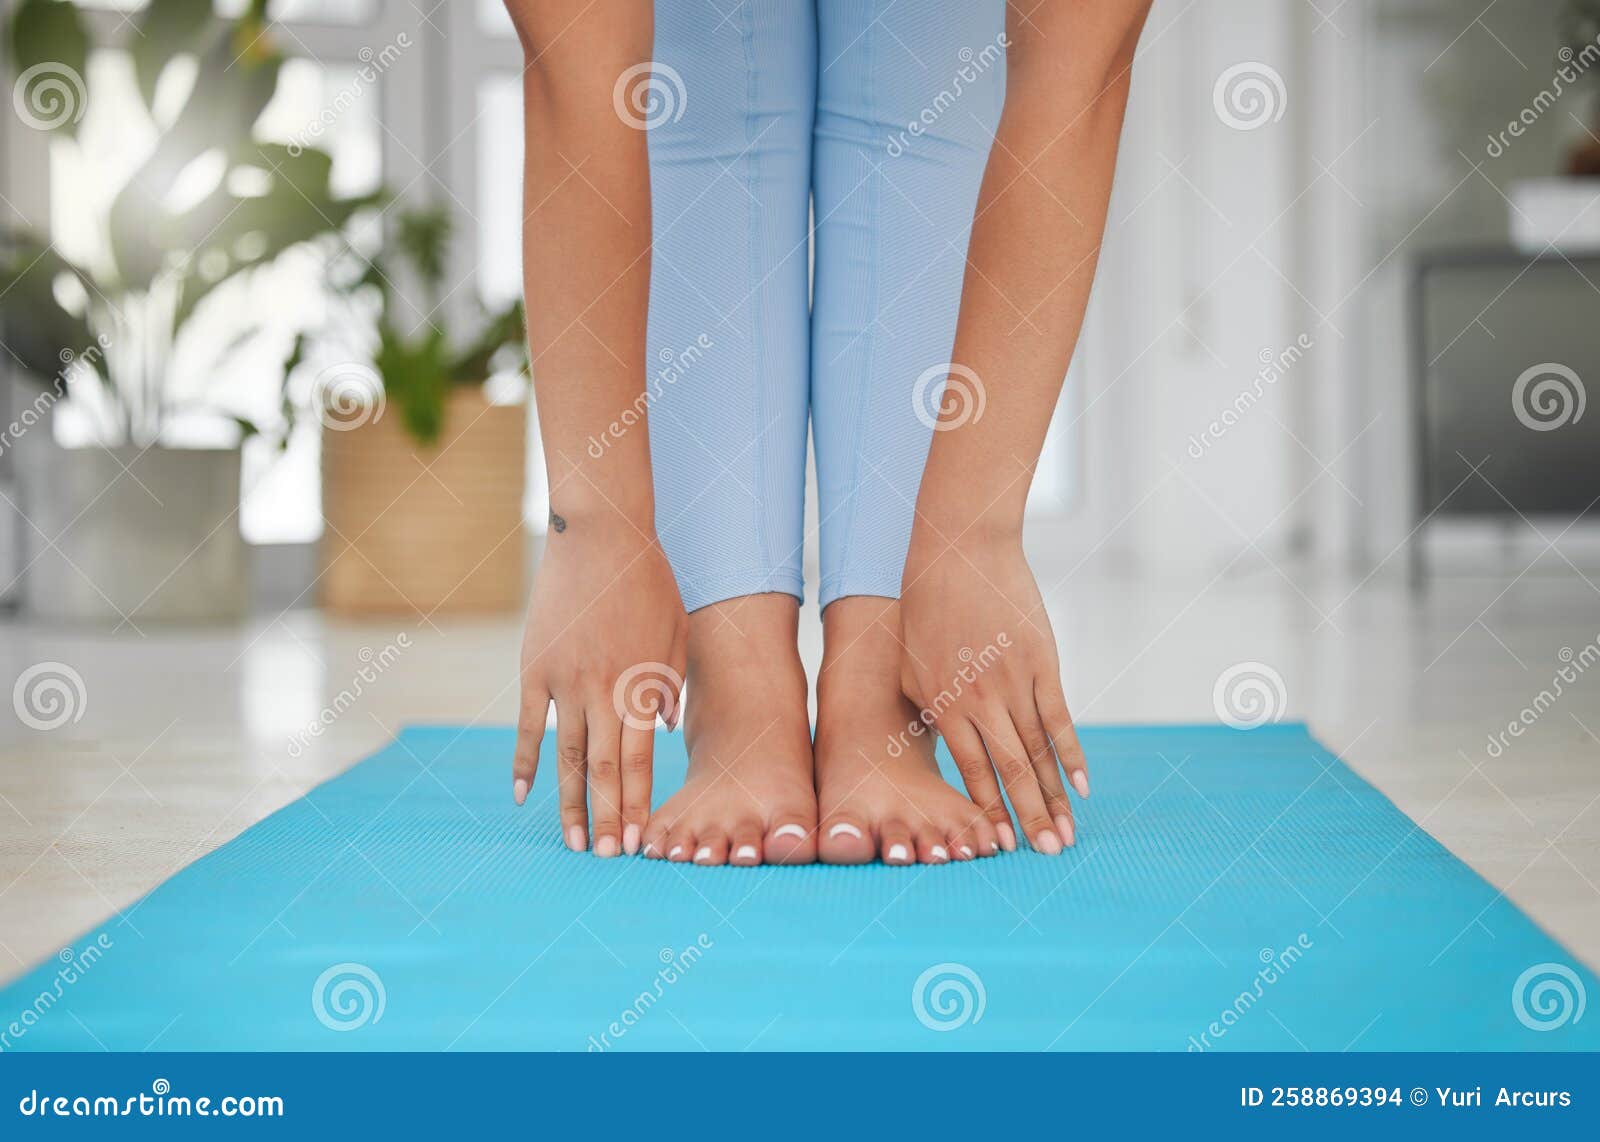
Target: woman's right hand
605, 641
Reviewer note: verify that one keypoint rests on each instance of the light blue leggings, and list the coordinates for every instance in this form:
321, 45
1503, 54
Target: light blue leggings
863, 125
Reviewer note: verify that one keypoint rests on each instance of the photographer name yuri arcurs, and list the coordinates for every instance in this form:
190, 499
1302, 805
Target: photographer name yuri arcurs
1360, 1097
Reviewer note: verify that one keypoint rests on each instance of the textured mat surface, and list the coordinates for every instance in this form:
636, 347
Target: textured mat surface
1231, 890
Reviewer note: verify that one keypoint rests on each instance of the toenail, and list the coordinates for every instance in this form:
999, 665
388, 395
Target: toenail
899, 852
747, 852
994, 846
677, 851
845, 829
940, 853
576, 841
966, 851
791, 831
703, 853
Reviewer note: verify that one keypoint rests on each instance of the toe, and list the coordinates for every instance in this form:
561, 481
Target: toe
792, 839
746, 844
711, 848
932, 845
844, 839
655, 843
680, 844
895, 843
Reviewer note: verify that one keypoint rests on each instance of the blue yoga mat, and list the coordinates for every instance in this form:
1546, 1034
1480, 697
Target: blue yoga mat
1230, 890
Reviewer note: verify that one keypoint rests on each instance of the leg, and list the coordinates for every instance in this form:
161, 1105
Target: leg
907, 104
730, 178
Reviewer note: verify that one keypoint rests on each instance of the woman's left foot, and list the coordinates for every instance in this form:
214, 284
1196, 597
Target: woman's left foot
878, 787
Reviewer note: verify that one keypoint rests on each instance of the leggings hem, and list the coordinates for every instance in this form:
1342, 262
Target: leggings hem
698, 593
883, 584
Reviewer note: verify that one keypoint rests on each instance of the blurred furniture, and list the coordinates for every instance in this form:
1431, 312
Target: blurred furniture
414, 529
1505, 346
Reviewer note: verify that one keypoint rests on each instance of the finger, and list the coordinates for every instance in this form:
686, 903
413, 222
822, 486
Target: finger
1030, 731
570, 750
531, 719
605, 778
679, 660
638, 760
1063, 734
966, 747
1016, 774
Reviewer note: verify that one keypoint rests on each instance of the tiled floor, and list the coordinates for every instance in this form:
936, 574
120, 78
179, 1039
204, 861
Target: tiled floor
183, 739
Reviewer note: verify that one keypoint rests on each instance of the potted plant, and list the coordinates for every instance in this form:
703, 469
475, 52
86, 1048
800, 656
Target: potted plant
130, 525
422, 472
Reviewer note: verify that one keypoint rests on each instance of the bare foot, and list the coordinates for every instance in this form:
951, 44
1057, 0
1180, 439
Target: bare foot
749, 797
879, 789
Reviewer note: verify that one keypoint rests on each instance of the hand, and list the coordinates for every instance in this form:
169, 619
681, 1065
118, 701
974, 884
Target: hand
605, 641
980, 661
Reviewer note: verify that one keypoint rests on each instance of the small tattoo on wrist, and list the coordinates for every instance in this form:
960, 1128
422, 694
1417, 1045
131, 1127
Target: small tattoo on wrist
557, 524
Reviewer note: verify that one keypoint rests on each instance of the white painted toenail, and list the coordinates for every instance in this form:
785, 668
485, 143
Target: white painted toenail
676, 849
994, 846
791, 831
845, 829
966, 850
899, 852
703, 853
746, 852
940, 853
649, 849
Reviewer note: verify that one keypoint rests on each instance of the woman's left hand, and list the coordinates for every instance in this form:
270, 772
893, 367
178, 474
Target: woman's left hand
980, 662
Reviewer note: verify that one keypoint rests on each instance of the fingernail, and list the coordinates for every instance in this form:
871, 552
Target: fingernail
966, 851
899, 853
845, 829
677, 851
630, 839
703, 853
1069, 835
1080, 782
576, 840
519, 790
747, 852
791, 831
605, 847
1047, 842
1008, 839
939, 852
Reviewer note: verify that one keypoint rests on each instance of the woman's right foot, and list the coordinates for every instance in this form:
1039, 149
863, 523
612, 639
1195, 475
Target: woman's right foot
748, 798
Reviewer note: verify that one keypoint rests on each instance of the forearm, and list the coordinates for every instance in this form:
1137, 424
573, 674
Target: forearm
586, 256
1031, 260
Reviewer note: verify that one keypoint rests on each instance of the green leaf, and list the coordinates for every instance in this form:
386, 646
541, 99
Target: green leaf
415, 379
166, 29
38, 331
50, 51
506, 329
